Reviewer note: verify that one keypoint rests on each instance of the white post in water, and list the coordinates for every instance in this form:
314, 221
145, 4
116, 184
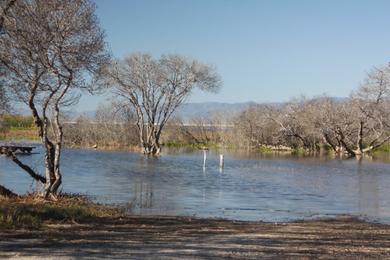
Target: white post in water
204, 157
221, 161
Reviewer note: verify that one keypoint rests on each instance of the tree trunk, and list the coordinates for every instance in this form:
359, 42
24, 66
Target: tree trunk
329, 142
344, 144
377, 145
49, 168
150, 140
359, 143
57, 153
42, 123
152, 148
57, 173
26, 168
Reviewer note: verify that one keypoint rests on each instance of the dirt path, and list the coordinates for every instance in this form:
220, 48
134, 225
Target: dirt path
188, 238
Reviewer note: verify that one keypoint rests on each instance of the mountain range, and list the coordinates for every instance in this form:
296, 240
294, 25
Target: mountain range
188, 111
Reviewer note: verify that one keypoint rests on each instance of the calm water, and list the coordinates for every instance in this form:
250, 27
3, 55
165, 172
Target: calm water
251, 187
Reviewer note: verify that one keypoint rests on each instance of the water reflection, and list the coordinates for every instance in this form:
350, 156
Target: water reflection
368, 191
143, 196
250, 186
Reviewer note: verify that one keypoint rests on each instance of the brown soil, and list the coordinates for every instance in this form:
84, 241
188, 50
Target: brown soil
189, 238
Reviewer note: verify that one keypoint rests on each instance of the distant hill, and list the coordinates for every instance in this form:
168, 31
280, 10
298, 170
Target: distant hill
188, 111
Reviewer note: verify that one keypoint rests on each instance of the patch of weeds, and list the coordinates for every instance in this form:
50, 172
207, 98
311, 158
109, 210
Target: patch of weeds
383, 149
264, 149
32, 212
298, 151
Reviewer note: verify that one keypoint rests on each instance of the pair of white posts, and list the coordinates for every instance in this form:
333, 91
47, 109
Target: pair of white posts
221, 159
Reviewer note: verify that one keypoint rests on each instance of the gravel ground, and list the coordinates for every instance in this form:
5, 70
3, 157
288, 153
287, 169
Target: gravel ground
342, 237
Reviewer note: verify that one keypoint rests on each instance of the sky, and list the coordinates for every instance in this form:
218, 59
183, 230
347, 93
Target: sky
264, 50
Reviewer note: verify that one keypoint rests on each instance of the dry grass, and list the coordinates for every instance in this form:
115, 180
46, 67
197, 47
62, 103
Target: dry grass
32, 211
74, 227
156, 237
20, 133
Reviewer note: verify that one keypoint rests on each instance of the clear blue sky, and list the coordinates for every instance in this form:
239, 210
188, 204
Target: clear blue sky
265, 51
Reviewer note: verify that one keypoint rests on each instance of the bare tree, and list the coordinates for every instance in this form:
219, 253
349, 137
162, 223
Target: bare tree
48, 47
360, 123
295, 122
255, 127
155, 88
368, 109
327, 115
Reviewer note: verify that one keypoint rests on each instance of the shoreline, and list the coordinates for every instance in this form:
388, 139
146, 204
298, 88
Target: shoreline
165, 237
384, 150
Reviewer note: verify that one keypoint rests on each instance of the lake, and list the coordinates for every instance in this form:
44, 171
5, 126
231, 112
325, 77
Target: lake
250, 187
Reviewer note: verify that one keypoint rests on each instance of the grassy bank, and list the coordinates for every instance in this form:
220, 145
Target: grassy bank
33, 212
19, 133
197, 145
384, 148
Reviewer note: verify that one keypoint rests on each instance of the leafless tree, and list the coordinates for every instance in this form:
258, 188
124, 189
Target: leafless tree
201, 129
155, 88
366, 124
113, 126
255, 127
327, 114
295, 123
360, 123
48, 47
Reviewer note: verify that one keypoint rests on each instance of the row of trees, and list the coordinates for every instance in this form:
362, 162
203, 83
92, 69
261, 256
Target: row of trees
112, 126
355, 125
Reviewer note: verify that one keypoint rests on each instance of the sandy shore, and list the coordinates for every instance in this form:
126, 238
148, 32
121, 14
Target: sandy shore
189, 238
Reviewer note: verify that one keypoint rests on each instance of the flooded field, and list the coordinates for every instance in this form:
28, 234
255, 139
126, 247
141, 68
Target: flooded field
250, 187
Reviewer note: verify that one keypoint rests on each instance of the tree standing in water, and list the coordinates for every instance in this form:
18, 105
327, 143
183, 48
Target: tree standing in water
156, 88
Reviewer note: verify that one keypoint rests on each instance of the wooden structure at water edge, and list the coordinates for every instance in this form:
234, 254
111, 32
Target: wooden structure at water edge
5, 149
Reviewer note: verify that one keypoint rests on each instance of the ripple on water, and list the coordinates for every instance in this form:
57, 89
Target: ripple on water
250, 187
